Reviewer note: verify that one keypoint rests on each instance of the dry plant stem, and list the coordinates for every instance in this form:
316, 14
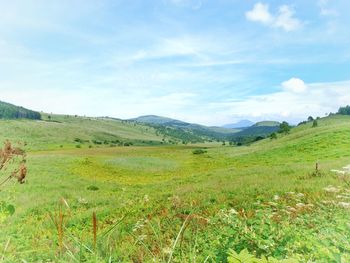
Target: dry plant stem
94, 226
177, 238
60, 228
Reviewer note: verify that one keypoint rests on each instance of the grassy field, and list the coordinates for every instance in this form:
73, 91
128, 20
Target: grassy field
63, 131
166, 204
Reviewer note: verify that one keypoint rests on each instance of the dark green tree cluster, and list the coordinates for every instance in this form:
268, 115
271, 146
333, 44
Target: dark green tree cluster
285, 127
344, 110
9, 111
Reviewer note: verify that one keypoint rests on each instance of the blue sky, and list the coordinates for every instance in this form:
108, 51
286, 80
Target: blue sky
210, 62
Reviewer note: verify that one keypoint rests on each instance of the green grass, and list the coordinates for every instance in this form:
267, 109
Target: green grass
61, 131
222, 200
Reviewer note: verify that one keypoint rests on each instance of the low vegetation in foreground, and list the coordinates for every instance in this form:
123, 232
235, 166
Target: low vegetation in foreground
184, 203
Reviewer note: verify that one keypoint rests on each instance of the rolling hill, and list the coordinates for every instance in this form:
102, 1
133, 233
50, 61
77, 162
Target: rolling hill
10, 111
237, 197
65, 131
184, 131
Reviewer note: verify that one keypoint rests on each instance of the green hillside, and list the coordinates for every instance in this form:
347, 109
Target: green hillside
63, 131
183, 131
10, 111
153, 201
255, 132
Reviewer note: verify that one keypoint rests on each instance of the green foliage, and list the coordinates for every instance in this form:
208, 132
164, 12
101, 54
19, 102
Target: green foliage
344, 110
245, 257
284, 128
314, 124
273, 136
9, 111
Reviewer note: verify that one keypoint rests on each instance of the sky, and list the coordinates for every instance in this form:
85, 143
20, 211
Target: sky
201, 61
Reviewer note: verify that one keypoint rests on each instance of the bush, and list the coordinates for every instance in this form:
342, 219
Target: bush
92, 188
199, 151
273, 136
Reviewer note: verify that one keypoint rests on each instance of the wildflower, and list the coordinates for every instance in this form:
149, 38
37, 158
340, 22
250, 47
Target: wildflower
276, 198
291, 209
300, 205
82, 201
331, 189
300, 195
233, 211
167, 250
344, 205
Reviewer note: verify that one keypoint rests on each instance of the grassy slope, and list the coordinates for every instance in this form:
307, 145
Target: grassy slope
163, 184
62, 130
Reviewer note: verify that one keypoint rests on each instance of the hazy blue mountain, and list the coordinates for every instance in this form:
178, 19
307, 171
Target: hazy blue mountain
238, 125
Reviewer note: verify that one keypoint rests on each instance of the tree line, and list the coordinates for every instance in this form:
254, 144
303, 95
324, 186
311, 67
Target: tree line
9, 111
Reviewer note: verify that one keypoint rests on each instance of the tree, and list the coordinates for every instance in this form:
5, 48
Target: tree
314, 124
310, 118
344, 110
284, 127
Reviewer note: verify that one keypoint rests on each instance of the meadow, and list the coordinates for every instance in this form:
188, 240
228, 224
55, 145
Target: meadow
163, 203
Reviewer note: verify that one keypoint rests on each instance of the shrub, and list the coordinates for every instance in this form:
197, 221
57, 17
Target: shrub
199, 151
273, 136
92, 188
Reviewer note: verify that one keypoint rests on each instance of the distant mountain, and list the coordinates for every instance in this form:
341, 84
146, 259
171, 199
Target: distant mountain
267, 124
184, 131
256, 132
10, 111
154, 119
239, 125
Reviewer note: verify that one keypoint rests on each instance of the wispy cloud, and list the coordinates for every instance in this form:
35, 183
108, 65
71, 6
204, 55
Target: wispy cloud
326, 9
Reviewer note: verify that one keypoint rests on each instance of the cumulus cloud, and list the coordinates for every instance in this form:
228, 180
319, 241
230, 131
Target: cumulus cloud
294, 85
283, 19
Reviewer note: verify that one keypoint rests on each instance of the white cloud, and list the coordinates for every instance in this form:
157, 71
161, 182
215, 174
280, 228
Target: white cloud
325, 9
283, 19
286, 20
289, 103
260, 13
294, 85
